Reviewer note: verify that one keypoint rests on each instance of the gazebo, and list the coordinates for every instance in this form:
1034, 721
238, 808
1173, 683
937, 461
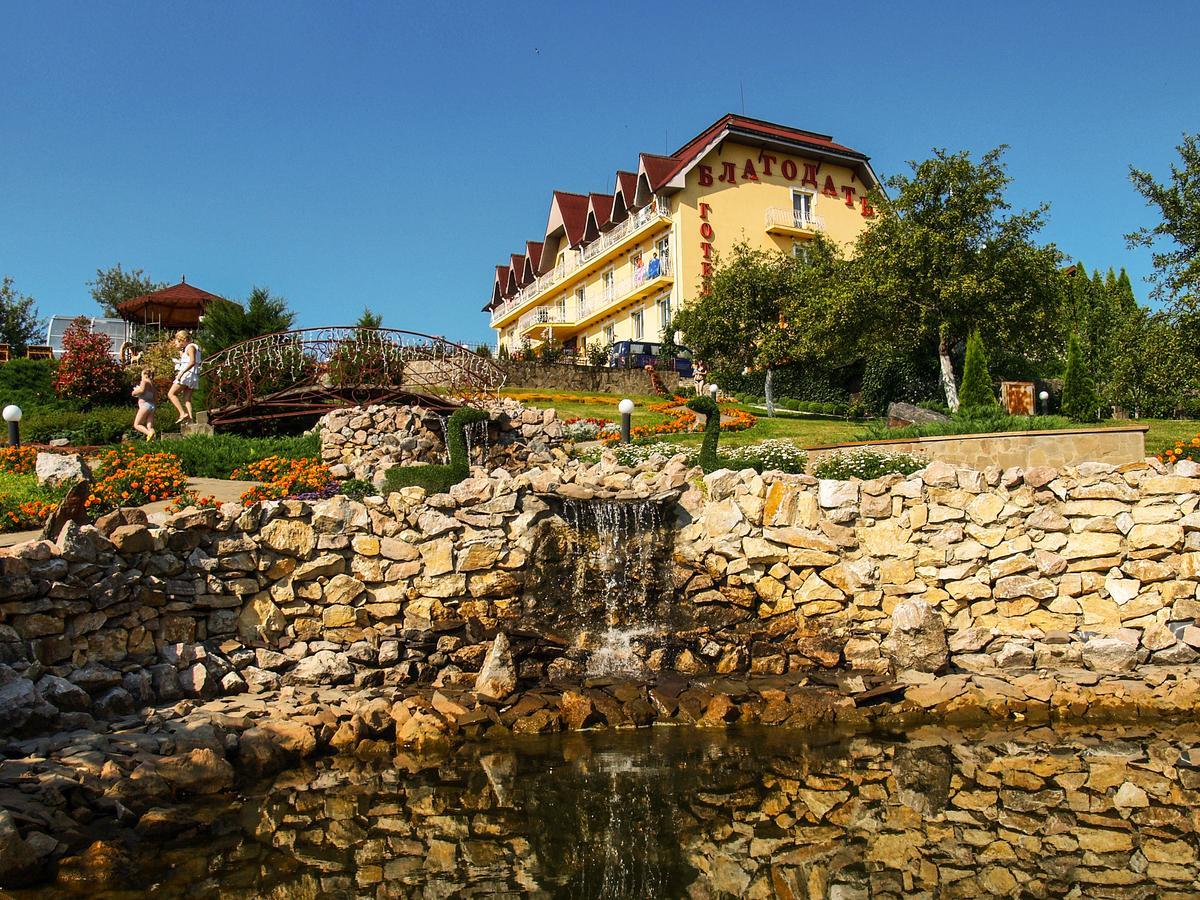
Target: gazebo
178, 306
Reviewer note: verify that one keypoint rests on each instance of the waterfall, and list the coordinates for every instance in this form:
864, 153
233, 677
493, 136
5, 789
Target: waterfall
480, 442
445, 420
620, 555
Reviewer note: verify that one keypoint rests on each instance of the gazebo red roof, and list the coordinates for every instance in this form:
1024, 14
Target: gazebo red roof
178, 306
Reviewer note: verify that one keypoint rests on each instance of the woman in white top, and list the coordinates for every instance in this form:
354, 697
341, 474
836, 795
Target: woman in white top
187, 377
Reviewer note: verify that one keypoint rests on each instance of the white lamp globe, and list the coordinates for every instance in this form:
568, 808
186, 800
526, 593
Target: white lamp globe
12, 413
713, 389
1044, 395
679, 337
625, 407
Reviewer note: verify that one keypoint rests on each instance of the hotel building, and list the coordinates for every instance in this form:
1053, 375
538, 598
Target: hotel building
613, 266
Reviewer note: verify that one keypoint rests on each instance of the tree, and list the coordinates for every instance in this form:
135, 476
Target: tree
977, 396
944, 257
1151, 375
114, 286
369, 319
1079, 401
20, 325
1177, 236
744, 314
87, 370
227, 323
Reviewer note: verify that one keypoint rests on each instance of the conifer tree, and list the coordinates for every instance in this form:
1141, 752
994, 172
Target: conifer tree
1079, 401
976, 397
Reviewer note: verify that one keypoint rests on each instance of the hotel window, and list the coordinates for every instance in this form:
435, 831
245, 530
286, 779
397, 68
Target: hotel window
639, 325
802, 204
562, 308
664, 312
663, 246
609, 280
610, 333
800, 252
579, 300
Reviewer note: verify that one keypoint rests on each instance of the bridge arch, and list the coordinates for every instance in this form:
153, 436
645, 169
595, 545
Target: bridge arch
314, 370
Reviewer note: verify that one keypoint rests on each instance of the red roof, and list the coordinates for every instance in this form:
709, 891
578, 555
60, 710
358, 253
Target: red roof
178, 306
573, 209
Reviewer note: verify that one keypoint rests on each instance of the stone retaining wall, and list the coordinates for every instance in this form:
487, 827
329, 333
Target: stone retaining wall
594, 379
1006, 449
1032, 569
364, 442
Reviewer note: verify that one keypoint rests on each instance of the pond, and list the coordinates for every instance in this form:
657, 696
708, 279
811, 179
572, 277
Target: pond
677, 812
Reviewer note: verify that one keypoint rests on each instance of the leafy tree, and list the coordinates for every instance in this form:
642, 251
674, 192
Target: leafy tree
1177, 236
227, 323
944, 257
977, 396
369, 319
20, 325
1079, 400
1152, 374
114, 285
87, 370
757, 311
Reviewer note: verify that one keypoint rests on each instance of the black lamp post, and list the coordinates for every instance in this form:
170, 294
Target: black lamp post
12, 415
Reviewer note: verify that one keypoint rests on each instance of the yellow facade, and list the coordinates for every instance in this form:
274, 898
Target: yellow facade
603, 291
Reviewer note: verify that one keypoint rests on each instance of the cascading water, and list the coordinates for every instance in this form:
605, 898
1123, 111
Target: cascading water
476, 435
620, 553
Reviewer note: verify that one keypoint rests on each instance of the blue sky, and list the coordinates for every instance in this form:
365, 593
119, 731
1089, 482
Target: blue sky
387, 154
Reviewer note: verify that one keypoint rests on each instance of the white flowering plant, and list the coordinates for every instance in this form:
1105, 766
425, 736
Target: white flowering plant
766, 456
866, 463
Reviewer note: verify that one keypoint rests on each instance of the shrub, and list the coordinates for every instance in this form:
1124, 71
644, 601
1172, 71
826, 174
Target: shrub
793, 405
439, 479
598, 354
976, 396
125, 477
29, 383
1079, 400
866, 463
576, 430
97, 426
282, 477
18, 460
191, 500
23, 515
636, 454
160, 358
708, 408
220, 455
357, 488
87, 370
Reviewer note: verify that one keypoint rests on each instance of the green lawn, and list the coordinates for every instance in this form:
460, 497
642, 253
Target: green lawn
807, 431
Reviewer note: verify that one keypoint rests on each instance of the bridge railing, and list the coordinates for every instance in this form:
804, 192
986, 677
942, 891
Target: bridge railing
343, 361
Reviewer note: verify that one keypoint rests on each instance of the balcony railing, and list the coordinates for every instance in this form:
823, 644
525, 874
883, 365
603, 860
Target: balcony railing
546, 315
573, 259
621, 288
794, 218
616, 235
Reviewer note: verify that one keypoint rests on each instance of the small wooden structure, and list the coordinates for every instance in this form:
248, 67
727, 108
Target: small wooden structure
179, 306
1018, 397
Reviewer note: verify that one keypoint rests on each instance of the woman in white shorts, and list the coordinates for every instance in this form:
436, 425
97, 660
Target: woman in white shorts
187, 377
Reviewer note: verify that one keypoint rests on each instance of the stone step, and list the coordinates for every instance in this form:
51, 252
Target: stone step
196, 428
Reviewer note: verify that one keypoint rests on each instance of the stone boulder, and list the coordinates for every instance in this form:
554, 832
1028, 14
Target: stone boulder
56, 469
1109, 654
498, 675
322, 668
901, 415
201, 771
917, 640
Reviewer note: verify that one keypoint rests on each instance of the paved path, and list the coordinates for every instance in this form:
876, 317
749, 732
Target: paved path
224, 490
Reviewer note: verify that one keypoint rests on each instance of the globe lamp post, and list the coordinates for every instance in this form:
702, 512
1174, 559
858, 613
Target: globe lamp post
625, 407
12, 415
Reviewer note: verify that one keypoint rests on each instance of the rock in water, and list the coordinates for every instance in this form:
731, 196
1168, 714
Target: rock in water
498, 676
917, 641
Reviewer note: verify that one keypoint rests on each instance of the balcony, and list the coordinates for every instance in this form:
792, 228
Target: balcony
793, 222
590, 253
565, 320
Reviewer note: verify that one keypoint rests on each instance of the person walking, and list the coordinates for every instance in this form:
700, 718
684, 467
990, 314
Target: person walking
147, 401
187, 377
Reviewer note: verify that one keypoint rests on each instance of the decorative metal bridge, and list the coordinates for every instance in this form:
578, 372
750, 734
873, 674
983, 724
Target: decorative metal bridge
314, 370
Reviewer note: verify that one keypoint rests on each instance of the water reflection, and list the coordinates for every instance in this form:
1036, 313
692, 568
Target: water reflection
684, 813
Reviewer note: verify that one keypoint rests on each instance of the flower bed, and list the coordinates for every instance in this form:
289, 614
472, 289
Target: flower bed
1189, 451
125, 477
680, 420
866, 463
18, 460
306, 479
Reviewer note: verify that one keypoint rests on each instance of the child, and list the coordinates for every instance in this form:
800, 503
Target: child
147, 396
